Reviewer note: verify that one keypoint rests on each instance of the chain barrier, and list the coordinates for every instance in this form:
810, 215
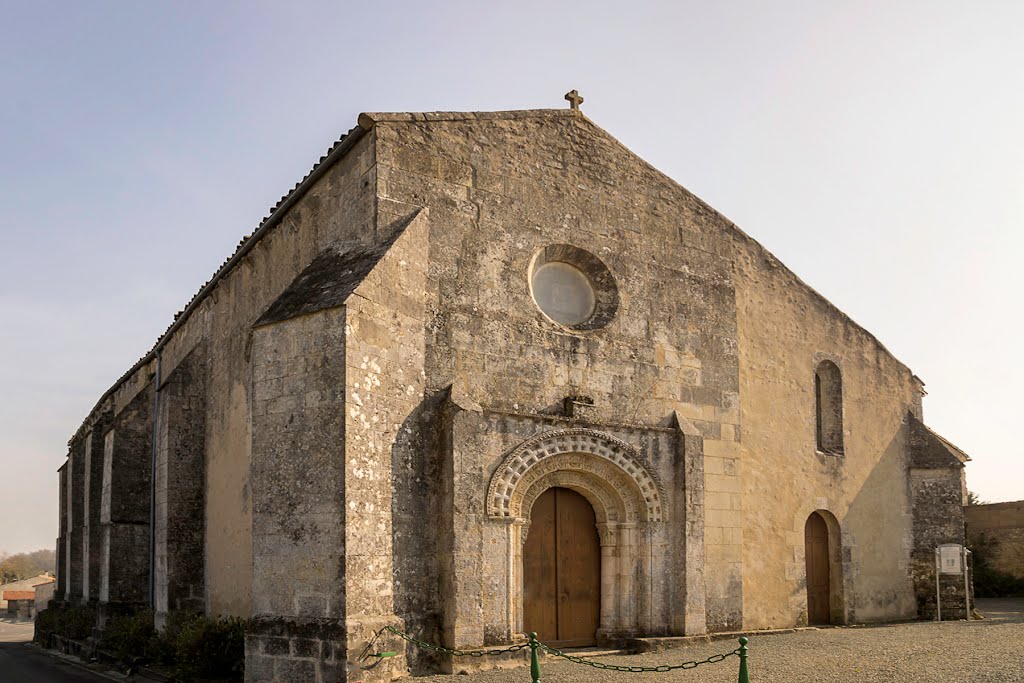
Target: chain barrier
536, 646
456, 653
664, 668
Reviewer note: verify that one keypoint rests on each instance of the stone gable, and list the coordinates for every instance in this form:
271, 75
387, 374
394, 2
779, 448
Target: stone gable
352, 422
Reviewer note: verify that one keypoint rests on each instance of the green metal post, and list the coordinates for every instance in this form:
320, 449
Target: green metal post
744, 674
534, 658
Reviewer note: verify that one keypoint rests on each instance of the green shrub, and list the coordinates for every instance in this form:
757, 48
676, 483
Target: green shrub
46, 622
200, 648
76, 623
130, 636
191, 646
79, 623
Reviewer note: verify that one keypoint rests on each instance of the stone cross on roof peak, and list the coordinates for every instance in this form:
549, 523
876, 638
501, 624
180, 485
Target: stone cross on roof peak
575, 100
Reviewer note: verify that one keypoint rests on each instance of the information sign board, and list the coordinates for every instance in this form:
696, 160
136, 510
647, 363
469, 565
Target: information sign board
951, 559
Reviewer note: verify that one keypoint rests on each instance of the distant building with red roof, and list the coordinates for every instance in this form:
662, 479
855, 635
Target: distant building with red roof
23, 598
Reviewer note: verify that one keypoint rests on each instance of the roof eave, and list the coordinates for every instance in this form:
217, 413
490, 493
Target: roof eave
277, 213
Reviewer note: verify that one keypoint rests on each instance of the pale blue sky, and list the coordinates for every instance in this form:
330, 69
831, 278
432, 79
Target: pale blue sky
877, 148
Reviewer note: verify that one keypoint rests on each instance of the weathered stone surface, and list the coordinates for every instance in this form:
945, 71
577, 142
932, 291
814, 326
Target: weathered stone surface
365, 404
386, 431
125, 501
75, 506
298, 467
338, 208
689, 608
938, 494
92, 490
180, 489
62, 569
999, 527
124, 572
786, 331
328, 281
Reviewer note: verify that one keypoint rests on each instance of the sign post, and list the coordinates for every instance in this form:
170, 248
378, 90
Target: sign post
967, 588
951, 558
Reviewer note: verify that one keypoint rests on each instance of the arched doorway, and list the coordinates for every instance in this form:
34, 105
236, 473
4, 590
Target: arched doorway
627, 499
562, 570
816, 544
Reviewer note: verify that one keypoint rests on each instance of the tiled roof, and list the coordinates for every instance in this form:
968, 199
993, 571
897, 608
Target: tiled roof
253, 236
929, 450
957, 451
19, 595
336, 151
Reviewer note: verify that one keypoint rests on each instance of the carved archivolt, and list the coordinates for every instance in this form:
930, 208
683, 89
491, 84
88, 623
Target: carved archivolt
611, 496
610, 473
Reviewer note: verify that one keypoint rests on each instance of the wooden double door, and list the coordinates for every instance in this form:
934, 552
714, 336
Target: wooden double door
562, 570
819, 610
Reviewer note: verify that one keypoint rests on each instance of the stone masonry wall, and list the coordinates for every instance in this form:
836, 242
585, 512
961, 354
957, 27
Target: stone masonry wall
323, 433
786, 330
500, 190
937, 495
338, 207
386, 429
92, 490
75, 510
938, 520
689, 608
62, 570
298, 487
125, 504
180, 488
1000, 528
330, 390
483, 607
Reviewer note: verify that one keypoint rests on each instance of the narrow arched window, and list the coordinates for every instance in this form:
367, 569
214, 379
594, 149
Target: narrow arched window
828, 407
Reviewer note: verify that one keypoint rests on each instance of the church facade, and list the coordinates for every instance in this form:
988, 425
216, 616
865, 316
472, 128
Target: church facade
485, 373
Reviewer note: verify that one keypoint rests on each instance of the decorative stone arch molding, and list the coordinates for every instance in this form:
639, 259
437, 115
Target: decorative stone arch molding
596, 454
599, 488
628, 501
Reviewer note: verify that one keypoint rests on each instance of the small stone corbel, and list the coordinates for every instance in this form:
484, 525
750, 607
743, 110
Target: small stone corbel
578, 407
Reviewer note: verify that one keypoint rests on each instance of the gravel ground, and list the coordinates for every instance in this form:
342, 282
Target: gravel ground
988, 651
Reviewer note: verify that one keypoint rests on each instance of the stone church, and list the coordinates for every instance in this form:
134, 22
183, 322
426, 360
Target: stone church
479, 374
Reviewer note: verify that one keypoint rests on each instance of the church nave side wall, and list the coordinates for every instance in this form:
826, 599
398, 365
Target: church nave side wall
786, 330
338, 207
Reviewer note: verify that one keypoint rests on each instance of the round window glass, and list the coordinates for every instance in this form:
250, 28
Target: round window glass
564, 293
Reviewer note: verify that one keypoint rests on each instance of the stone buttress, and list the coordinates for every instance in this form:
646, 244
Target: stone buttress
125, 503
180, 487
335, 369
